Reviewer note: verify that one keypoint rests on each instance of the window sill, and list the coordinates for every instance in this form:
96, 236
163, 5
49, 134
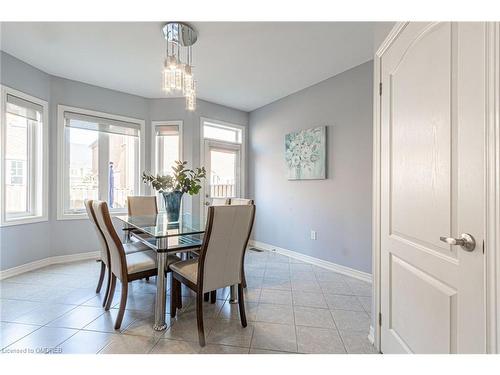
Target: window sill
24, 220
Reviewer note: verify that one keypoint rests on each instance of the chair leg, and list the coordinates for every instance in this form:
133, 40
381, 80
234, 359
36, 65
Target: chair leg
101, 277
178, 294
213, 296
241, 305
106, 294
199, 318
244, 279
123, 303
206, 297
111, 292
173, 297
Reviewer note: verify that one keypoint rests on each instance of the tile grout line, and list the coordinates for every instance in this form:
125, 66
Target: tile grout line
333, 318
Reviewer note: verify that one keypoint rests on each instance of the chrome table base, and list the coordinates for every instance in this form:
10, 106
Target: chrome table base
160, 304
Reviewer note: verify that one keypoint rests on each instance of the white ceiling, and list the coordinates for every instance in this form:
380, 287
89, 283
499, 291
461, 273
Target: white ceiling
243, 65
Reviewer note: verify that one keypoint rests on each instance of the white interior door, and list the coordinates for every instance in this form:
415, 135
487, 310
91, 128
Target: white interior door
223, 165
432, 186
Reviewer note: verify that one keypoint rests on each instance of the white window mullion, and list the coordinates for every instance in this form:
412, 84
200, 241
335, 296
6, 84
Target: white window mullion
103, 166
31, 170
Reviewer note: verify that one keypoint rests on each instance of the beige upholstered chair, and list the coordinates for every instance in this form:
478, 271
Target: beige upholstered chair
215, 202
142, 205
240, 201
105, 260
220, 201
125, 267
220, 262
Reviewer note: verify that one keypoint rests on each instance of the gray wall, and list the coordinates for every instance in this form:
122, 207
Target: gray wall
26, 243
338, 208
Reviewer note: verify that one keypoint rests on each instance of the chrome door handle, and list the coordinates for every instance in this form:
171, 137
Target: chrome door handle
466, 241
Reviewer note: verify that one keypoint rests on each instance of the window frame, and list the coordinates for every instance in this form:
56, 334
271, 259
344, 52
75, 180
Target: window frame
62, 171
34, 193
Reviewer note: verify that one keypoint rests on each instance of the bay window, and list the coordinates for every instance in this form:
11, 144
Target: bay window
23, 177
99, 159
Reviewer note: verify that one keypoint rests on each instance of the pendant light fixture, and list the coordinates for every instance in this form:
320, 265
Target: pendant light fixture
178, 76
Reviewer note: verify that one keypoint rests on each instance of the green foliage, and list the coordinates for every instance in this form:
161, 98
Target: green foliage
182, 179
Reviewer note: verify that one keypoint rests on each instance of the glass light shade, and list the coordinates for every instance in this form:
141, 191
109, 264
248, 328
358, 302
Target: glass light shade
171, 62
179, 77
169, 80
188, 81
191, 98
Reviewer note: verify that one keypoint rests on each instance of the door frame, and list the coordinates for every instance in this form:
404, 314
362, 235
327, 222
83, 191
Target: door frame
243, 162
492, 187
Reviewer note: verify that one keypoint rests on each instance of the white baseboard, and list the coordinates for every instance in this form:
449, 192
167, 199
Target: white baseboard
364, 276
371, 335
14, 271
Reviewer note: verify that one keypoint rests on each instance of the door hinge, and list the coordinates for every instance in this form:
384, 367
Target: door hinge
483, 246
380, 88
380, 319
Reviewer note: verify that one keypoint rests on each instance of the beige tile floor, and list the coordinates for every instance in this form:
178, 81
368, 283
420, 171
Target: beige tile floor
292, 307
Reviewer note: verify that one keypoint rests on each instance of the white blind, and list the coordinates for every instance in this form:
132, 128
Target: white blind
101, 124
165, 130
24, 108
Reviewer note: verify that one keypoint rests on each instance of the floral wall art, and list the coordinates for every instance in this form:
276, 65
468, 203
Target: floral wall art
305, 154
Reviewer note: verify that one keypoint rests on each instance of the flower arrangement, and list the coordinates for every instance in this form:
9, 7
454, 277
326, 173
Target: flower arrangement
172, 187
182, 180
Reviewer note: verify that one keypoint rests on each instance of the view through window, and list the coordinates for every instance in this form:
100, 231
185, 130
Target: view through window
102, 159
23, 157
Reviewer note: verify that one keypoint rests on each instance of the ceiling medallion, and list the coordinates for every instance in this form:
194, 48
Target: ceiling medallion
178, 69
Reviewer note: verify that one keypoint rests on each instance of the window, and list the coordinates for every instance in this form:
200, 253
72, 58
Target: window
167, 145
220, 132
24, 158
100, 160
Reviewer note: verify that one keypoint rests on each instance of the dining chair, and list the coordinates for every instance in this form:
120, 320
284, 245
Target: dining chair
219, 264
142, 205
124, 267
220, 201
103, 247
234, 202
215, 202
241, 202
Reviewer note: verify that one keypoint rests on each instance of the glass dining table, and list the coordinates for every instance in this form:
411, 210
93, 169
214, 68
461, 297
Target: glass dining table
164, 237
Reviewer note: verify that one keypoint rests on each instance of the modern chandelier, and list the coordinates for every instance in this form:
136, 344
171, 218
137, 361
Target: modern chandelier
178, 76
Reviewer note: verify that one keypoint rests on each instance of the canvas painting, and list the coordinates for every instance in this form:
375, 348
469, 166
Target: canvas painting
305, 154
